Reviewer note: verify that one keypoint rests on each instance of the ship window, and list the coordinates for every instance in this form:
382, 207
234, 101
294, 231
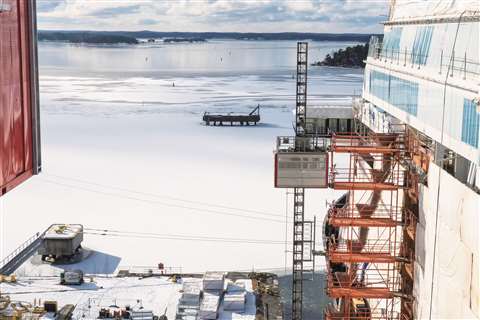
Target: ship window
471, 123
421, 45
400, 93
391, 41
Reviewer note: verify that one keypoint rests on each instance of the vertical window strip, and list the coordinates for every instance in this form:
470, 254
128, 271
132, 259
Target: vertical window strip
470, 123
391, 41
421, 45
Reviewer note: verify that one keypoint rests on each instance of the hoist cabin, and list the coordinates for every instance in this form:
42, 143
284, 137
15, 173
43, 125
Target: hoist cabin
19, 100
301, 162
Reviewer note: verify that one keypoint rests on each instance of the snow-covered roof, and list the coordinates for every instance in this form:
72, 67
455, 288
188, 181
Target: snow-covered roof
63, 231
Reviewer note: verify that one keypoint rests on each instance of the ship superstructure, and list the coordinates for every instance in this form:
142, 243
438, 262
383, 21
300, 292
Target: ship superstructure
402, 242
405, 244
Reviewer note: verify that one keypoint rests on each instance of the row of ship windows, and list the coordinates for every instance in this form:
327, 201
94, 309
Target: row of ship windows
400, 93
420, 48
403, 94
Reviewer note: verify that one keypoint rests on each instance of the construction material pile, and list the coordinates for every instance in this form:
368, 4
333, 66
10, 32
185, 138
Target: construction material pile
235, 297
214, 281
209, 306
189, 302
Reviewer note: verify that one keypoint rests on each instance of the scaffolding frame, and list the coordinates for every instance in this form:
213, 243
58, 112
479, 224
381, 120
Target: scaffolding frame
299, 258
375, 180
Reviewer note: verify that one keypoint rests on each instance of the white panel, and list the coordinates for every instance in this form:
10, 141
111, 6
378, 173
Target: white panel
301, 170
456, 287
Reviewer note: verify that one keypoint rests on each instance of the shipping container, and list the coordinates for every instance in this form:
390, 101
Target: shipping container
19, 98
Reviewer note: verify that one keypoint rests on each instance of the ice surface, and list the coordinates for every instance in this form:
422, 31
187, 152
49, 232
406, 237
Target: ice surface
127, 151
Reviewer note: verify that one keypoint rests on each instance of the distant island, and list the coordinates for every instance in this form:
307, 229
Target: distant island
86, 37
350, 57
189, 40
131, 37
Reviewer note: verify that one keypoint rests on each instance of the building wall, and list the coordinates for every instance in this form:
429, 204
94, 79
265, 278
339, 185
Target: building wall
19, 127
455, 260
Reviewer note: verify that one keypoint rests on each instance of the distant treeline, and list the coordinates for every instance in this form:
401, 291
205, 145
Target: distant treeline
132, 36
190, 40
348, 57
86, 37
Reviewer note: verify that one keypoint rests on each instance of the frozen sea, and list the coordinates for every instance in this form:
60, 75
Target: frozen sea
125, 150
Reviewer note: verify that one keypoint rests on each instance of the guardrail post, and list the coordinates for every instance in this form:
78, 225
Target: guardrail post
441, 61
452, 63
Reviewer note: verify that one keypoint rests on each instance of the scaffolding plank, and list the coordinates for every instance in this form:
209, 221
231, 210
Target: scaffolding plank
362, 222
364, 186
368, 293
359, 257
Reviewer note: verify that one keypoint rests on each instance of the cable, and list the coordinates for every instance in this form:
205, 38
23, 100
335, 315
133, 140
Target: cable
133, 234
437, 210
158, 202
164, 196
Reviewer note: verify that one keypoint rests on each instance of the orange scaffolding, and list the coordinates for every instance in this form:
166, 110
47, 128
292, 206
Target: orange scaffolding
371, 226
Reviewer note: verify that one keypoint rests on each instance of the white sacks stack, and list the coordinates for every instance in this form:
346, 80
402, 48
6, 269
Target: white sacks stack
189, 302
191, 293
234, 302
234, 299
214, 281
209, 306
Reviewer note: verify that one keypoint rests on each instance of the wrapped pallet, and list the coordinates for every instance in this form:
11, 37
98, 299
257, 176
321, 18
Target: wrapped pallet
209, 307
236, 287
213, 281
191, 292
234, 302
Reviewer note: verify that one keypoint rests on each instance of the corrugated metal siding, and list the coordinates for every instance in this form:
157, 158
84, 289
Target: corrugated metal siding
17, 99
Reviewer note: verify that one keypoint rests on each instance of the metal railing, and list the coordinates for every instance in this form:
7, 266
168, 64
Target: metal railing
302, 144
368, 246
149, 270
372, 176
458, 64
7, 259
383, 211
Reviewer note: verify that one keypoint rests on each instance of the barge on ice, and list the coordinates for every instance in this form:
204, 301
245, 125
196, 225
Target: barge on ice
238, 119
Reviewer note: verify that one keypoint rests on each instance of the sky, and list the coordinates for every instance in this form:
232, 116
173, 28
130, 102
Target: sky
333, 16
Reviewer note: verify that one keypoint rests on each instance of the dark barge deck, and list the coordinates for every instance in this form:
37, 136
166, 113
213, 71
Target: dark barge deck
233, 119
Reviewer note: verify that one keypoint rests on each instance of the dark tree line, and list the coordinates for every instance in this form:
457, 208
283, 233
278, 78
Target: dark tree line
86, 37
348, 57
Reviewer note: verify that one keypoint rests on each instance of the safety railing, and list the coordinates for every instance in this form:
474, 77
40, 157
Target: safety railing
369, 246
385, 281
302, 144
366, 313
7, 259
382, 211
457, 64
149, 270
391, 142
372, 176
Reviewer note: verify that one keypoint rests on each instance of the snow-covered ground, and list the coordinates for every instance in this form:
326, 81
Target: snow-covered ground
159, 295
129, 153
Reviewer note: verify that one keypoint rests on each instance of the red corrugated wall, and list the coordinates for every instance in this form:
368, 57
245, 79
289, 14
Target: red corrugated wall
17, 96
